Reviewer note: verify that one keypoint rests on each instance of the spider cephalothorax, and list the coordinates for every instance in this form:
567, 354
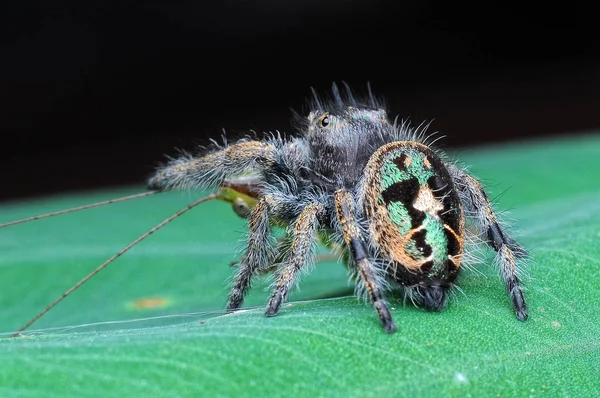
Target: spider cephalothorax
373, 186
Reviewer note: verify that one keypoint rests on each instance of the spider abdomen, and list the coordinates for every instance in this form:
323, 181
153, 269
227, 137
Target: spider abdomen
415, 214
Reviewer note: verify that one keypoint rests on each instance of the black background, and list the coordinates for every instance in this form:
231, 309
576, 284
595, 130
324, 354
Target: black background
94, 93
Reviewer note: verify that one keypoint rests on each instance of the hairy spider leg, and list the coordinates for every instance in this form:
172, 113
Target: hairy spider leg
350, 230
301, 255
336, 252
259, 253
212, 169
478, 206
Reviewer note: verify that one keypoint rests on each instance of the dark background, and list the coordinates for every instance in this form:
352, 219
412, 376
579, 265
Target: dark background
94, 93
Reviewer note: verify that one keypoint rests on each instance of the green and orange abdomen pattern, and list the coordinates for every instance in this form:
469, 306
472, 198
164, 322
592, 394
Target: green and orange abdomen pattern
415, 215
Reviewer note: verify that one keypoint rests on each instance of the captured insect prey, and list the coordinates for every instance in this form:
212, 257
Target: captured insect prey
395, 210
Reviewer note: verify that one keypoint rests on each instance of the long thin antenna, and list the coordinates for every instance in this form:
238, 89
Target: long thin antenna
58, 213
113, 258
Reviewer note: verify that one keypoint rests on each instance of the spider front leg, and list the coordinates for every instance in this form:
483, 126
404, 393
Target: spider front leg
259, 254
352, 236
301, 253
508, 250
211, 169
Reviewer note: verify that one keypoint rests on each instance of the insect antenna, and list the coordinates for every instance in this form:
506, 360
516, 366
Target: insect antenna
113, 258
58, 213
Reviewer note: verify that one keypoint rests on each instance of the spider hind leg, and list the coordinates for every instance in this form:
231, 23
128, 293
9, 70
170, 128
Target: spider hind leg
479, 208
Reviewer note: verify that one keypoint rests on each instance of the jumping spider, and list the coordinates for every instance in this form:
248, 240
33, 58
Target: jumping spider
373, 186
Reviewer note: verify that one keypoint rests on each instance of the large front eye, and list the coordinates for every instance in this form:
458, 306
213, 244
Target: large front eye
324, 120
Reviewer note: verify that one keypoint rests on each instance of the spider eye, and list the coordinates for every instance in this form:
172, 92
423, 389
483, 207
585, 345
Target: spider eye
324, 120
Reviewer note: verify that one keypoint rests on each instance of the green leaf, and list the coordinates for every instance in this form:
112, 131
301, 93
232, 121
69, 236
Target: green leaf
103, 341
